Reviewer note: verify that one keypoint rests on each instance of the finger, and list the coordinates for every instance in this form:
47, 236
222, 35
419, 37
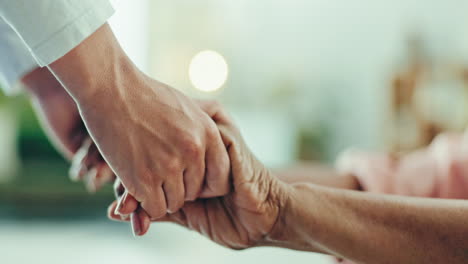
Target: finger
214, 110
221, 117
113, 216
127, 204
155, 204
217, 170
89, 166
193, 179
145, 221
216, 158
140, 222
104, 175
176, 190
135, 223
78, 167
89, 180
97, 176
92, 158
228, 136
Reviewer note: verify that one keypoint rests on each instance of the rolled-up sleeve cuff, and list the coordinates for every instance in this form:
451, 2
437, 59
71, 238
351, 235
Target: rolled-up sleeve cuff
10, 76
16, 60
72, 34
11, 83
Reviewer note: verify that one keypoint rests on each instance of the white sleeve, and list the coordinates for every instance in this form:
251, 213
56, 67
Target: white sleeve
51, 28
16, 60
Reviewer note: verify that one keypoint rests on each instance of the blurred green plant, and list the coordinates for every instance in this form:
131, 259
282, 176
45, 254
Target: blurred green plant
313, 143
32, 141
42, 188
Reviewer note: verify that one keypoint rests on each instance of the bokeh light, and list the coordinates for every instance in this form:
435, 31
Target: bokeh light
208, 71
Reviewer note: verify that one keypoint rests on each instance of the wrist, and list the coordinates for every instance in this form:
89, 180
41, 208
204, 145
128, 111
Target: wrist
282, 197
97, 66
293, 229
41, 83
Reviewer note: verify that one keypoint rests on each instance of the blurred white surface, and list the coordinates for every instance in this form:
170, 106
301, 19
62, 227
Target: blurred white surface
270, 135
8, 155
130, 24
105, 242
337, 56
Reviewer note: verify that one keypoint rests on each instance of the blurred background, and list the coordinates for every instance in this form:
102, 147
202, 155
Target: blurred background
304, 80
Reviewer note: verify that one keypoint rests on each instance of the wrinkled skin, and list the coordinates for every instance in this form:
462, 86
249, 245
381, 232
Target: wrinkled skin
241, 219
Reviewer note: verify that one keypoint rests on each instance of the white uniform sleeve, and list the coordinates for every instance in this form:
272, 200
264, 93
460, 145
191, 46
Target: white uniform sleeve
51, 28
15, 59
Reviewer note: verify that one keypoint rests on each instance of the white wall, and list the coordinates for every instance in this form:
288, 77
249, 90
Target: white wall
130, 24
339, 55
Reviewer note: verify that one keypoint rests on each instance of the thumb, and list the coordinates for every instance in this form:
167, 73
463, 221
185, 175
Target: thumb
126, 205
215, 110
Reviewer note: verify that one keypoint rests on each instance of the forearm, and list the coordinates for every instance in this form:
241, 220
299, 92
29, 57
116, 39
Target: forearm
56, 111
98, 66
41, 83
319, 174
370, 228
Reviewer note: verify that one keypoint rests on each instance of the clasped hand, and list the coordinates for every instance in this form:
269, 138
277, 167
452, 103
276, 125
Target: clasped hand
242, 218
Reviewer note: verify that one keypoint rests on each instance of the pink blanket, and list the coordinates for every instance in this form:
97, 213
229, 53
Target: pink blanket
438, 171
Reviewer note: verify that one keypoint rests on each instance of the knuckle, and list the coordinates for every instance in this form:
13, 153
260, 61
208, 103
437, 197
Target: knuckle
141, 186
155, 210
173, 165
215, 104
193, 146
138, 193
144, 174
175, 206
211, 130
159, 213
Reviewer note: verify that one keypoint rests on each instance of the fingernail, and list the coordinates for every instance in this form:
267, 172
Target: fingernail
136, 228
121, 204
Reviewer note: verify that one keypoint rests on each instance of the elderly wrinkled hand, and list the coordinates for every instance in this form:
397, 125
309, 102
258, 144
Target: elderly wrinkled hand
243, 218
